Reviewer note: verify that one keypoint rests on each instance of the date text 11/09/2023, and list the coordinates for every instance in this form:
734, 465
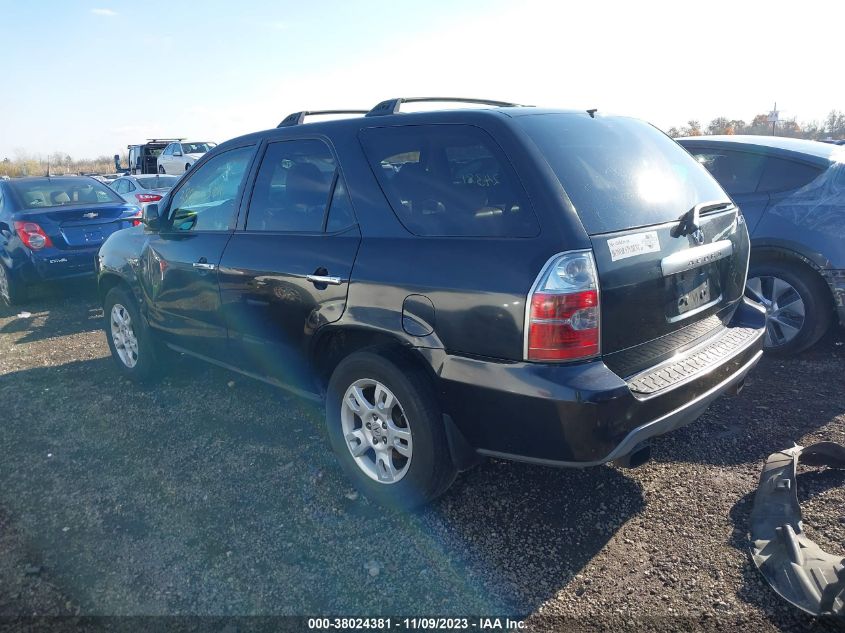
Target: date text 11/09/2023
414, 624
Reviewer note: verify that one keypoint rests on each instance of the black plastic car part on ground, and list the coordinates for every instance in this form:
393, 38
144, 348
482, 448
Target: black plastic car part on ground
796, 568
554, 301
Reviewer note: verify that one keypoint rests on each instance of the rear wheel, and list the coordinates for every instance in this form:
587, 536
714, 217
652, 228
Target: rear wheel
797, 302
386, 429
161, 169
130, 340
12, 292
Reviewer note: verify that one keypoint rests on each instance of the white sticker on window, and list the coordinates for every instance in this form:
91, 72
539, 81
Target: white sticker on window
632, 245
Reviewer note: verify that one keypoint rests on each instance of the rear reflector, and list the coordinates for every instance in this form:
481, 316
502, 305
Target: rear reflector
563, 310
32, 235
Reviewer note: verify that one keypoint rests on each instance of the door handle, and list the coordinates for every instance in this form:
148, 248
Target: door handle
324, 279
203, 264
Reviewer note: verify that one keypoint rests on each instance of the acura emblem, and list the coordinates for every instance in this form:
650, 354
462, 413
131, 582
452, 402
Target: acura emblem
90, 215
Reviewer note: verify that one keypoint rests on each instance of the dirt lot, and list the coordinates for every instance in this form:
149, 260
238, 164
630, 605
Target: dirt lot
213, 494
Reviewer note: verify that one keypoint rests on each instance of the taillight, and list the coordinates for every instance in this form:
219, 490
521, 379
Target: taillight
563, 310
32, 235
136, 217
147, 197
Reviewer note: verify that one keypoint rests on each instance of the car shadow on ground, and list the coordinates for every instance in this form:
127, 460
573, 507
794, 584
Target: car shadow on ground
206, 492
54, 311
754, 588
784, 399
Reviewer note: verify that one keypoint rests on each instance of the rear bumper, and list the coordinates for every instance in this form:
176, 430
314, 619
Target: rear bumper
583, 415
56, 264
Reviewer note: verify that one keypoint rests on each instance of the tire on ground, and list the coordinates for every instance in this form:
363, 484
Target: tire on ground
148, 351
431, 471
15, 292
818, 309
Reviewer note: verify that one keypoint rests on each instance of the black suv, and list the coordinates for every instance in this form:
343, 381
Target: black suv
547, 286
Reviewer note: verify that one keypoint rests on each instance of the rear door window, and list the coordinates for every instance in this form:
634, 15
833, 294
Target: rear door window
620, 173
449, 180
782, 175
737, 172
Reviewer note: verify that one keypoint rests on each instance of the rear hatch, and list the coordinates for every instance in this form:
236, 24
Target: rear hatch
671, 250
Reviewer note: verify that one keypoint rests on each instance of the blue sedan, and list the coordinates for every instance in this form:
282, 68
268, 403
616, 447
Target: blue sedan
792, 195
52, 227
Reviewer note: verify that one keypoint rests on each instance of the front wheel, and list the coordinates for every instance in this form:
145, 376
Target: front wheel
386, 429
797, 303
187, 166
130, 340
12, 292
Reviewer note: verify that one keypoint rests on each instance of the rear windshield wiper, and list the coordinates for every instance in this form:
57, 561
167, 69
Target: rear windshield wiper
689, 222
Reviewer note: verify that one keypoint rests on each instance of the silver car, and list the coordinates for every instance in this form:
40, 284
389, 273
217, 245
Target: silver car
143, 189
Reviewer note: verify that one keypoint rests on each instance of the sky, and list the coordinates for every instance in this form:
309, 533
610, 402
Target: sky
87, 78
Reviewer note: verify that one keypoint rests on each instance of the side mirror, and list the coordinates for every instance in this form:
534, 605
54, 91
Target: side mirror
150, 217
177, 153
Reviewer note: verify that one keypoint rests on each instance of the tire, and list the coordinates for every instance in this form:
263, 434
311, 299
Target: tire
427, 471
161, 170
786, 290
136, 361
187, 166
12, 292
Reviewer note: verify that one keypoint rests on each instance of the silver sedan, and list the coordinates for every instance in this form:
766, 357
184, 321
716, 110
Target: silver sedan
143, 189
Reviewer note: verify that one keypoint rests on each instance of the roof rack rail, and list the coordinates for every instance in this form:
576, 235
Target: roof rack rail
161, 140
391, 106
297, 118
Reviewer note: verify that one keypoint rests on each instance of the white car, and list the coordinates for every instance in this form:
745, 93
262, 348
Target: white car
178, 157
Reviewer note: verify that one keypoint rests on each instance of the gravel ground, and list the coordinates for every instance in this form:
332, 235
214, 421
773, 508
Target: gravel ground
213, 494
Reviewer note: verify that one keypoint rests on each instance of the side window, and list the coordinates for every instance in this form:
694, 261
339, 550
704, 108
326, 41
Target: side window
176, 149
782, 175
737, 172
449, 180
119, 186
167, 150
340, 209
292, 187
207, 200
130, 186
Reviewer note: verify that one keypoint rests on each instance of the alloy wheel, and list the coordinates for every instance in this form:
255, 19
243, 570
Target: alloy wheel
376, 431
123, 335
784, 308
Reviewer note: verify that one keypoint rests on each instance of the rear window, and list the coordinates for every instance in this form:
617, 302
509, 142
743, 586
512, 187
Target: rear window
620, 173
449, 180
158, 182
57, 192
783, 175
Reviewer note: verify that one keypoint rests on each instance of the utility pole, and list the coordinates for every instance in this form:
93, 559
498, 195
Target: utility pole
773, 118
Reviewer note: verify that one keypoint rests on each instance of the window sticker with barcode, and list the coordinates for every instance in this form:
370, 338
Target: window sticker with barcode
633, 245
